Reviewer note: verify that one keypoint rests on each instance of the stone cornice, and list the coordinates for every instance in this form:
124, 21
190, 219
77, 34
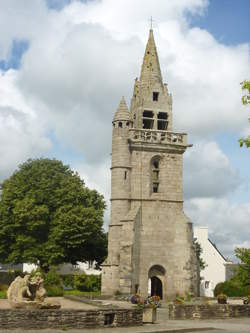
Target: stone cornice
147, 199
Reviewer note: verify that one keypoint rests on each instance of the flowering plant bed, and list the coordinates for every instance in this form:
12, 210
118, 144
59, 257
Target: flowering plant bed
149, 302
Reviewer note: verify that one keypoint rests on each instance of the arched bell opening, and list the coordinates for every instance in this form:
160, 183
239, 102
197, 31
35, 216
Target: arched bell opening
156, 281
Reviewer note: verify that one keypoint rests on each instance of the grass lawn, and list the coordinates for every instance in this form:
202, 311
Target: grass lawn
3, 294
82, 293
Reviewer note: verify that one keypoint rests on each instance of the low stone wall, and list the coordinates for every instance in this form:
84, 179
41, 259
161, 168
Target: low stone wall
69, 318
207, 311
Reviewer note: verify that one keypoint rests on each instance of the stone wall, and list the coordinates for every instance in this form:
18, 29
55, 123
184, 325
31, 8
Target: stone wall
207, 311
68, 318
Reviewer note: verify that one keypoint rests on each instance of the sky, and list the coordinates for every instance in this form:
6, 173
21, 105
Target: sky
64, 65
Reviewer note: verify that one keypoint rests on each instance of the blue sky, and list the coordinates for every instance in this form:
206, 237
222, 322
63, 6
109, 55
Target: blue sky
64, 66
226, 20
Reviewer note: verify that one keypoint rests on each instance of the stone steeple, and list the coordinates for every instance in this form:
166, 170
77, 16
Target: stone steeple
122, 112
150, 237
151, 104
150, 70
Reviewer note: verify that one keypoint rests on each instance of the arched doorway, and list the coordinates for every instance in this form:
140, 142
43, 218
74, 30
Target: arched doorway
156, 277
156, 286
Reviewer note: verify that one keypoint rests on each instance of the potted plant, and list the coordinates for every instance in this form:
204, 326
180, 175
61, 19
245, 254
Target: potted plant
246, 300
222, 299
148, 305
179, 300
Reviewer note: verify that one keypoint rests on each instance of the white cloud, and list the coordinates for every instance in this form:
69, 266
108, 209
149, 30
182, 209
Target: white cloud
83, 58
97, 177
20, 20
207, 172
79, 66
228, 223
21, 134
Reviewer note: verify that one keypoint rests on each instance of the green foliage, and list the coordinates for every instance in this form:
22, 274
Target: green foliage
68, 280
3, 291
179, 300
242, 275
245, 86
54, 291
52, 278
198, 251
3, 294
85, 282
52, 282
7, 277
75, 292
48, 217
231, 289
4, 287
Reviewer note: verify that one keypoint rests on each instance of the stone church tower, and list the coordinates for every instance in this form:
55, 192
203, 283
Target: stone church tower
150, 247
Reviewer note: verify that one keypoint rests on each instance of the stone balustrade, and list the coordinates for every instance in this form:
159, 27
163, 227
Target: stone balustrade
156, 136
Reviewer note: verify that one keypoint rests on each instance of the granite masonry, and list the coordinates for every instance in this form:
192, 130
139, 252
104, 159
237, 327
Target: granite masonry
207, 311
150, 247
68, 318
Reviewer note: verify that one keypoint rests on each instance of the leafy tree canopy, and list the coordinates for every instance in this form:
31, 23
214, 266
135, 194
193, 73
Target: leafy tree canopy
243, 271
48, 216
245, 85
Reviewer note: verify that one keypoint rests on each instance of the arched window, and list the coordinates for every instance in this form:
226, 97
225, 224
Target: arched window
155, 174
120, 124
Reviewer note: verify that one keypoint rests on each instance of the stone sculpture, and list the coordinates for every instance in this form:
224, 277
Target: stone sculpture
29, 292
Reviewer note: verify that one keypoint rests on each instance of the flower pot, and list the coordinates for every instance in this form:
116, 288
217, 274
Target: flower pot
149, 315
222, 301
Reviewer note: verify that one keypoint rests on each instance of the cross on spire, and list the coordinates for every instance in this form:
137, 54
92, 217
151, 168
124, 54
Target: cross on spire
151, 22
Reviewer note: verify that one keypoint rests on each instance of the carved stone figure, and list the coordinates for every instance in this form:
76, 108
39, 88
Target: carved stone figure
29, 292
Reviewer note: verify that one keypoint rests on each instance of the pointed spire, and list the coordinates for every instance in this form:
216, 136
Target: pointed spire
150, 70
122, 112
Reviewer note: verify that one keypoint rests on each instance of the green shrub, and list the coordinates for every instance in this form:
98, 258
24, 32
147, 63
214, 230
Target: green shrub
3, 294
231, 289
53, 283
54, 291
68, 280
7, 277
85, 282
4, 287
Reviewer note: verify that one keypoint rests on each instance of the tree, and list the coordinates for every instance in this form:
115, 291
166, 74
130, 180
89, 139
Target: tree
48, 216
198, 251
245, 86
243, 271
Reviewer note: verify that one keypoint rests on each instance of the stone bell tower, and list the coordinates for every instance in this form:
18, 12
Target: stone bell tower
150, 247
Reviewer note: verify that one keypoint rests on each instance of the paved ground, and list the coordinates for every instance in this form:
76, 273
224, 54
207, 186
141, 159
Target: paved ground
163, 325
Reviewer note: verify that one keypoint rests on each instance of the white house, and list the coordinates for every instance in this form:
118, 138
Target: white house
215, 270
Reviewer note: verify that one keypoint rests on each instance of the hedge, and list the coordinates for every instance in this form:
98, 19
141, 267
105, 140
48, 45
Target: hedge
231, 289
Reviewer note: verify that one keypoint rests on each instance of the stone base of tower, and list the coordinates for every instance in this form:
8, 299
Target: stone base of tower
110, 279
158, 261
